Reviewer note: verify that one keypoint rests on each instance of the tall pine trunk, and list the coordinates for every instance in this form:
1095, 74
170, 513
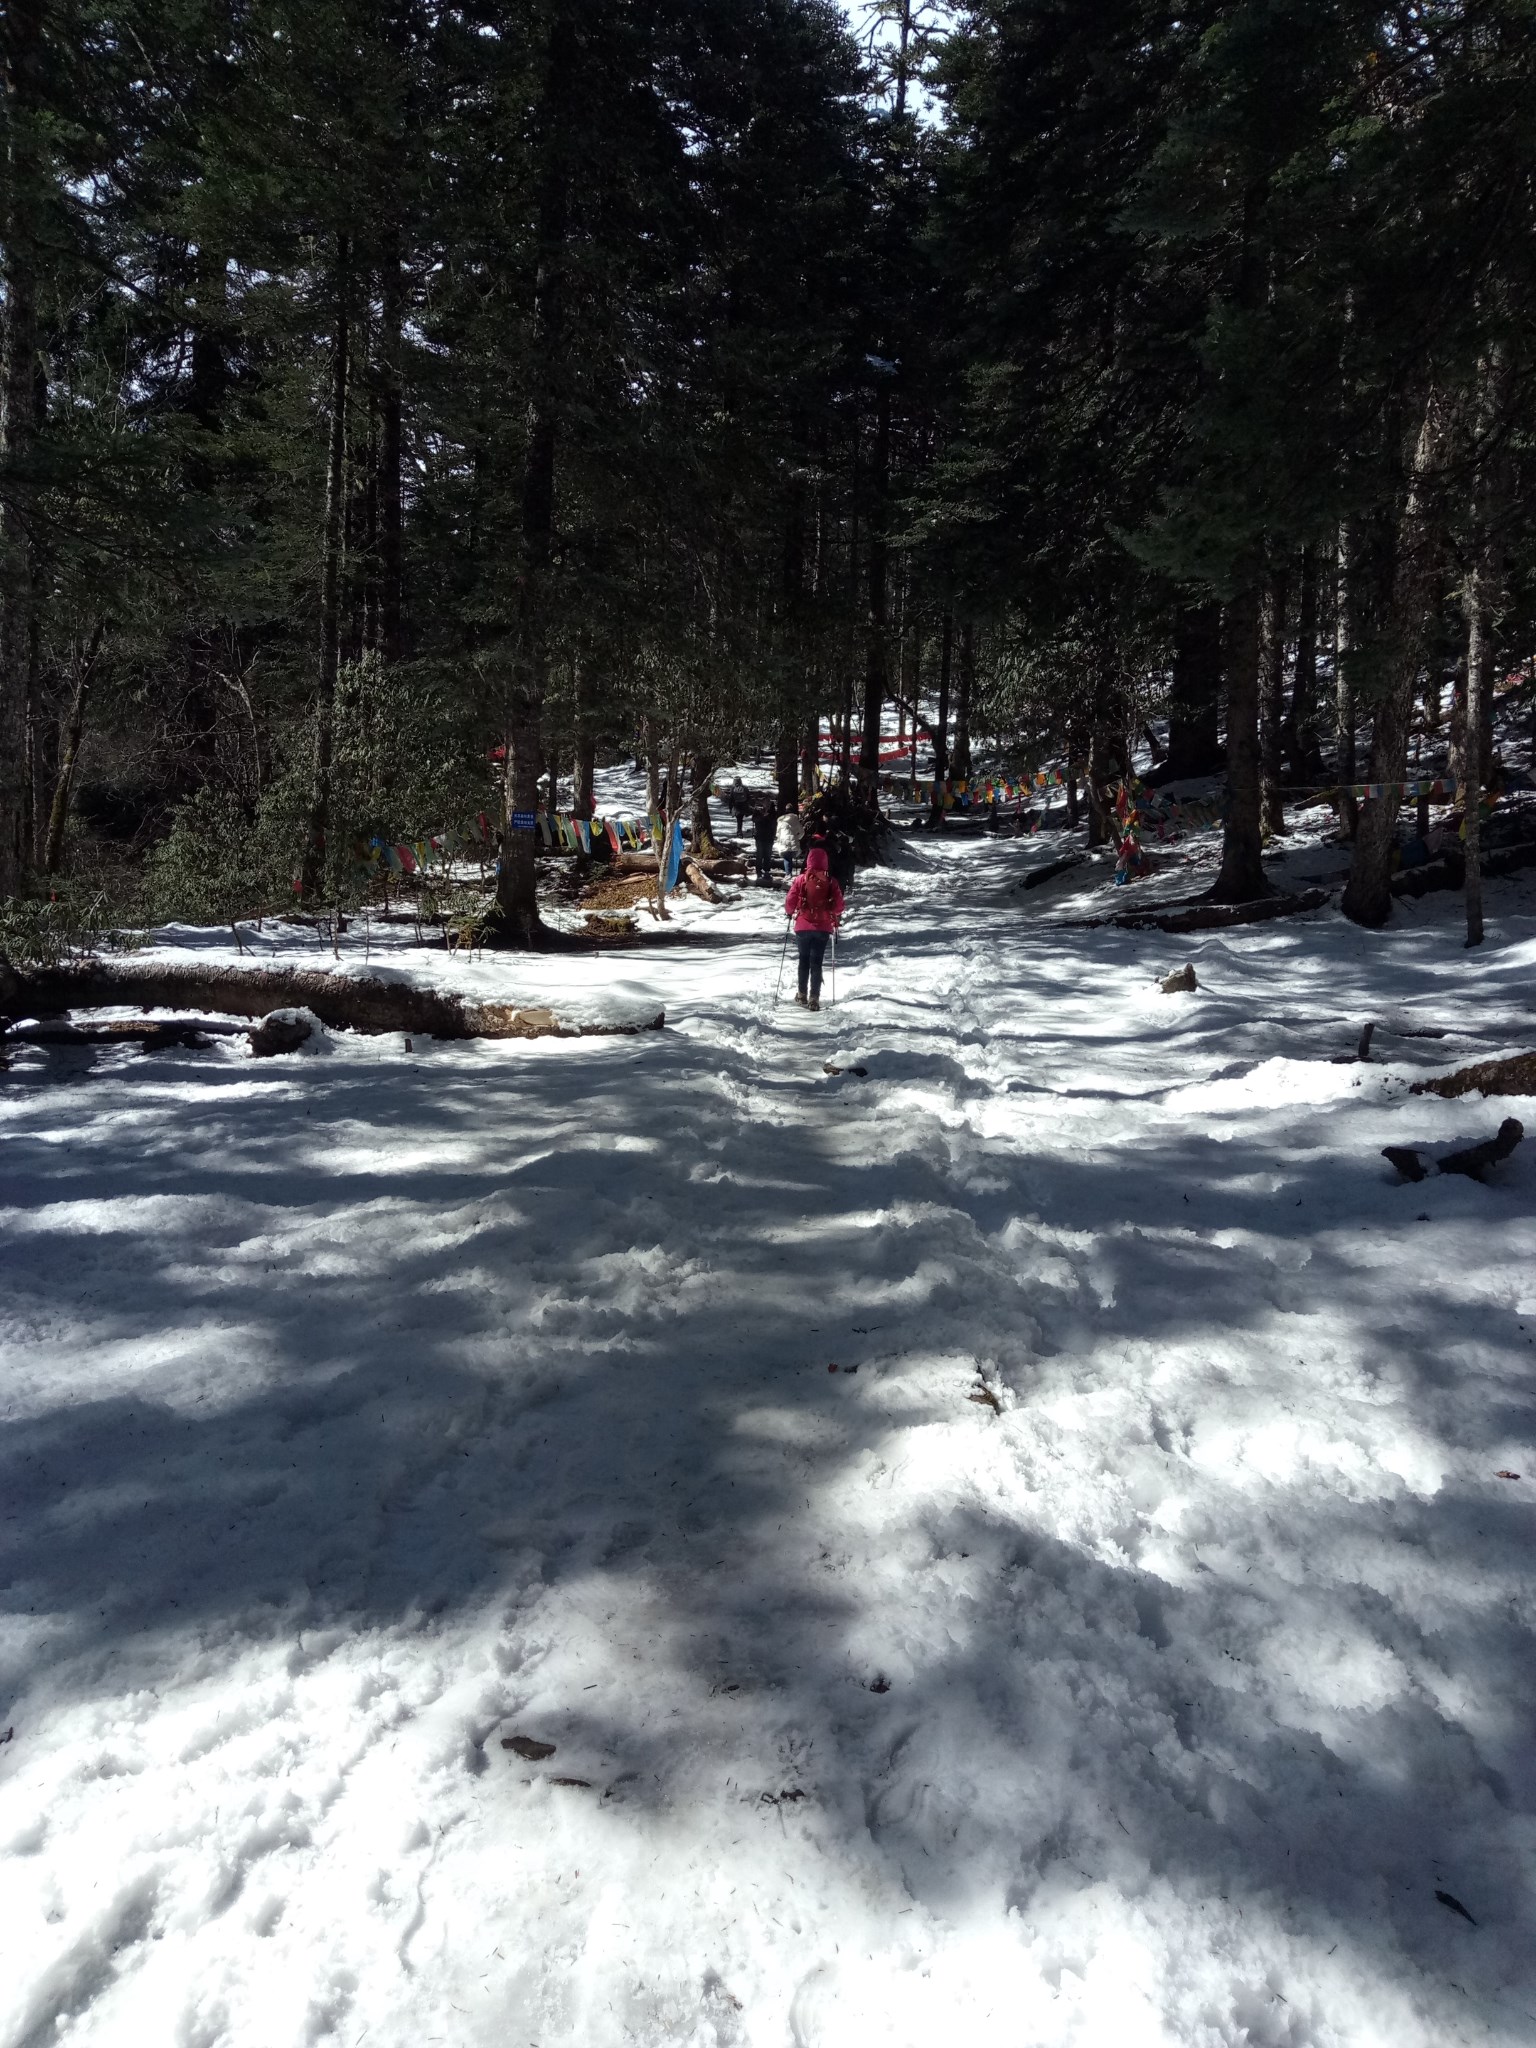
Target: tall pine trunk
21, 56
701, 773
960, 752
42, 729
1477, 600
583, 777
1301, 726
784, 768
69, 752
1346, 642
1094, 780
941, 722
313, 874
1367, 894
584, 754
1241, 878
391, 450
876, 680
1194, 713
1481, 595
517, 920
1276, 603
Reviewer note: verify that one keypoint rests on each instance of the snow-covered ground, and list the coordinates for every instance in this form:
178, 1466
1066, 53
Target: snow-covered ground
365, 1411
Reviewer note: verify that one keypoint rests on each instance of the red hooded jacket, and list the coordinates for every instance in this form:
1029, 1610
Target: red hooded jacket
819, 909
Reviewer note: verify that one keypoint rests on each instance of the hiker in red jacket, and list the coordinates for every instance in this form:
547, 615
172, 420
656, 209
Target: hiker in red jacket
815, 902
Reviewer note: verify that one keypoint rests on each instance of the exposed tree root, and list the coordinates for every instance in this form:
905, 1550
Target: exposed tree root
499, 934
1473, 1161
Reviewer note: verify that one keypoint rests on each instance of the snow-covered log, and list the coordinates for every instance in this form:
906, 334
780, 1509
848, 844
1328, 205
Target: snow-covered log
1206, 916
342, 1001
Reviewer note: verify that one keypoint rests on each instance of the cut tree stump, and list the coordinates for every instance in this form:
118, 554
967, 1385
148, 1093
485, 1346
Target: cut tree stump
1362, 1051
1516, 1076
340, 1001
280, 1033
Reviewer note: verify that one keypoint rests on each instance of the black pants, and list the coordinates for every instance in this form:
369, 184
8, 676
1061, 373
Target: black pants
765, 860
813, 950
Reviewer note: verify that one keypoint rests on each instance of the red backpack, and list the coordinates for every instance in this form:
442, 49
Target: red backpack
816, 896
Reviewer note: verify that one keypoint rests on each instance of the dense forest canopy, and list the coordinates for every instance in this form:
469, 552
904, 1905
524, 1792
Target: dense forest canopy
407, 402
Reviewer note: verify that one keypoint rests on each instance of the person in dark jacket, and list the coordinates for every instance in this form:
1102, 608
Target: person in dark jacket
764, 825
842, 857
815, 903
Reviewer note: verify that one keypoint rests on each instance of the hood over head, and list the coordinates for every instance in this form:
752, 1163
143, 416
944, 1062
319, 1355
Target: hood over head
816, 861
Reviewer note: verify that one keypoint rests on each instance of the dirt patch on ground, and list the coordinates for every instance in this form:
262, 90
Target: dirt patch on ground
621, 892
1515, 1076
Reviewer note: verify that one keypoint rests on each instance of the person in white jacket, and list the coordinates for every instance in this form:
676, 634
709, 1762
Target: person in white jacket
786, 840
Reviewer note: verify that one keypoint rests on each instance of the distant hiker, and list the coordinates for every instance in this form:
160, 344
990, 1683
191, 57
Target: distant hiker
842, 857
786, 840
740, 801
815, 903
813, 824
764, 825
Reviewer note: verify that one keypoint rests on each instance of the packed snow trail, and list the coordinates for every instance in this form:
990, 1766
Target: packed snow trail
1128, 1643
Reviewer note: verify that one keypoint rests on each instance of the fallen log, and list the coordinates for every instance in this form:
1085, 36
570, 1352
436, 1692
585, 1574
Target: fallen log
342, 1001
718, 866
1516, 1076
1449, 871
1039, 876
155, 1035
1210, 917
699, 883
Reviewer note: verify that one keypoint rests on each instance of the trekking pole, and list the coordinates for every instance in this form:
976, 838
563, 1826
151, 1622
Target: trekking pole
783, 956
834, 966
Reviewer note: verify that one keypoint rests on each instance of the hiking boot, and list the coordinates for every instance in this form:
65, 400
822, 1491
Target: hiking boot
800, 997
814, 1003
